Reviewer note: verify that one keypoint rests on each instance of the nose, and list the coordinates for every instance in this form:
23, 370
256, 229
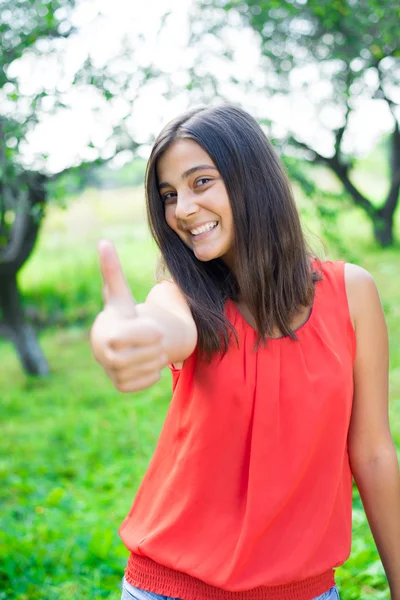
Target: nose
185, 206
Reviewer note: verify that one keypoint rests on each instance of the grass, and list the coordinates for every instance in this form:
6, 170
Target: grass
73, 453
73, 450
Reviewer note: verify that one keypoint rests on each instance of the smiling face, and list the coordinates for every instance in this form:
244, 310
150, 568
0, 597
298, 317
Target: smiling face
196, 202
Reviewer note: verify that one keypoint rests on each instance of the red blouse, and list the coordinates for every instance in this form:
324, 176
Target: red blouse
250, 486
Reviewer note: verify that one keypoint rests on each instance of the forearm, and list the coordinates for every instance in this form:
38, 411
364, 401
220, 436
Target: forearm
180, 334
378, 482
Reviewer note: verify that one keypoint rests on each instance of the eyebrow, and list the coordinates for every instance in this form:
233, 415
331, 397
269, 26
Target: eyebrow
187, 173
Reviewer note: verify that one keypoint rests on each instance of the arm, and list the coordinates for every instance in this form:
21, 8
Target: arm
372, 453
168, 307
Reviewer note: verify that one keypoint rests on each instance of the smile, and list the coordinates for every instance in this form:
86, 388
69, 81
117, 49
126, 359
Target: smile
204, 228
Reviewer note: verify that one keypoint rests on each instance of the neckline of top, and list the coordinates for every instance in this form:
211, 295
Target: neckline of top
300, 328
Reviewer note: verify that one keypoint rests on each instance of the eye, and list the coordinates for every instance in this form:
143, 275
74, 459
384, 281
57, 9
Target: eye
168, 197
202, 181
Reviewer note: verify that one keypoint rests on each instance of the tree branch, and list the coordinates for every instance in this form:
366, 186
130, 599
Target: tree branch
316, 156
340, 132
359, 199
341, 172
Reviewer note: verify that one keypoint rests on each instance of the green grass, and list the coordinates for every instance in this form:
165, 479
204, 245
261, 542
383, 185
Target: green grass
73, 450
73, 453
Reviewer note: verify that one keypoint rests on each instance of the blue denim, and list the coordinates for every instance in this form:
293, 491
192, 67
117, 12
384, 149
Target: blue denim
132, 593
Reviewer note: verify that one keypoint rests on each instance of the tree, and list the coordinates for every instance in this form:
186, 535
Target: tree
34, 30
355, 46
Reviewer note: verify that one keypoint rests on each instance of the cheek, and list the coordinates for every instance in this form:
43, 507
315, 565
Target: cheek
170, 216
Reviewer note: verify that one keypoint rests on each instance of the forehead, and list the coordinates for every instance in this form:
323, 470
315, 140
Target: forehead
181, 156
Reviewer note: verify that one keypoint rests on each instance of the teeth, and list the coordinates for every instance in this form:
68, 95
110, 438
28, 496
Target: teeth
204, 228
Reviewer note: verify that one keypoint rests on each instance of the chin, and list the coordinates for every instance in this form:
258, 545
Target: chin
205, 257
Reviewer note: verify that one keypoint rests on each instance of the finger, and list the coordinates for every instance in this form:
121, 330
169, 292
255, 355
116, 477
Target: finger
138, 372
116, 291
134, 358
137, 333
136, 385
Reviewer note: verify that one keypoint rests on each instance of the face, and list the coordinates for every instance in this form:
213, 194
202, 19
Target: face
196, 202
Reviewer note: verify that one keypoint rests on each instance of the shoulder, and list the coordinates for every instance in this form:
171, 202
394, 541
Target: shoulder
362, 294
167, 295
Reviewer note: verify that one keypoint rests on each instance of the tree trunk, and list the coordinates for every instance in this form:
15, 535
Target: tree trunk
20, 333
20, 244
383, 227
383, 230
382, 218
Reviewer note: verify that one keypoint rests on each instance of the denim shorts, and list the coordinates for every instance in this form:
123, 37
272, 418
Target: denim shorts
132, 593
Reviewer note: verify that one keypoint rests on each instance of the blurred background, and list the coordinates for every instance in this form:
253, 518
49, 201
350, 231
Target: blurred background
85, 86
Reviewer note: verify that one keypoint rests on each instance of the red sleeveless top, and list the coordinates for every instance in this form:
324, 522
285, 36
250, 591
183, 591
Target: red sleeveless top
249, 493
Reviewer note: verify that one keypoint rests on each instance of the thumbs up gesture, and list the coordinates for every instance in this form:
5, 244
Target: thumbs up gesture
127, 345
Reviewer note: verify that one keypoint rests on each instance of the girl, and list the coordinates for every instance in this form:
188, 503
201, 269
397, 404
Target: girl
280, 369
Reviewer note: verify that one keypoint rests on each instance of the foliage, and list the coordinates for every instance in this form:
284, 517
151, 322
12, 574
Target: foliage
25, 27
345, 52
73, 450
131, 174
39, 33
32, 33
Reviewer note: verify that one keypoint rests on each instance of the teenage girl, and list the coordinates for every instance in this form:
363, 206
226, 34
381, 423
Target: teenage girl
280, 382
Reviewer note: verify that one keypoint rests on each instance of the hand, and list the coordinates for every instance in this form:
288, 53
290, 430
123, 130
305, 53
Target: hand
128, 346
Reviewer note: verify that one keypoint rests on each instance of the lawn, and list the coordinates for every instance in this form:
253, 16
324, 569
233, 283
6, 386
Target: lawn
73, 450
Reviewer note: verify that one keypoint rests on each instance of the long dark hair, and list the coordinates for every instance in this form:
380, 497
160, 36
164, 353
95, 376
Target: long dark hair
273, 277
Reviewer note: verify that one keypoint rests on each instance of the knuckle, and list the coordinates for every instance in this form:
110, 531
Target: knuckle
114, 340
146, 380
104, 336
111, 359
122, 376
150, 369
127, 379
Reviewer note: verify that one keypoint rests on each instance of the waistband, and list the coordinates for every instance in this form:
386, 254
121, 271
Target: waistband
144, 573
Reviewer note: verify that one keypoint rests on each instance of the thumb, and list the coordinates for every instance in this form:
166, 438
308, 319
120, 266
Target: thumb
117, 292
